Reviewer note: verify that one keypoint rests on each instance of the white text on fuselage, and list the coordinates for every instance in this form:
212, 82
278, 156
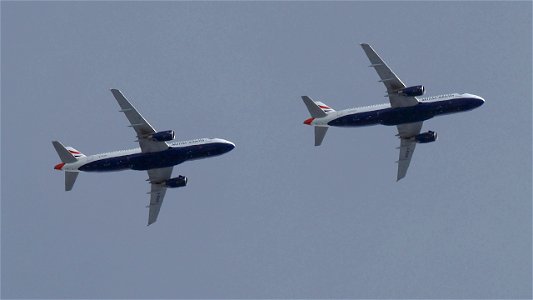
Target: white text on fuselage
184, 143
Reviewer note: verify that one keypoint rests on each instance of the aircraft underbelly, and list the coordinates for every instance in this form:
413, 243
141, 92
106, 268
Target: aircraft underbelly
141, 161
356, 120
163, 159
388, 116
154, 160
107, 165
404, 115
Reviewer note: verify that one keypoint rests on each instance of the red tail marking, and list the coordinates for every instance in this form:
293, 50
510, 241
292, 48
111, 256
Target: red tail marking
59, 166
308, 121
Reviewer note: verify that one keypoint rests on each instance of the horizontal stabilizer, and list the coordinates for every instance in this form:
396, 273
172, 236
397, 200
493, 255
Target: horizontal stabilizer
320, 133
70, 179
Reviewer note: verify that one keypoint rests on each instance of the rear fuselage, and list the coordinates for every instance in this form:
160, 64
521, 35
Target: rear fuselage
384, 114
134, 159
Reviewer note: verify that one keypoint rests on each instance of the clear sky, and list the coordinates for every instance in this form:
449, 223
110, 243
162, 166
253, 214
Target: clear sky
276, 217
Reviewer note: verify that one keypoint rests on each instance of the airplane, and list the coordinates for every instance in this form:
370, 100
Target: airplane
157, 155
406, 111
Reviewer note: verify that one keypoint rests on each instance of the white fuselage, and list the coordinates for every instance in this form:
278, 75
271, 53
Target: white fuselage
384, 114
178, 151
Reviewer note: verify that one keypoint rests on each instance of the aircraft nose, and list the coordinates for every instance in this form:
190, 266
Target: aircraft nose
479, 101
475, 100
229, 146
232, 146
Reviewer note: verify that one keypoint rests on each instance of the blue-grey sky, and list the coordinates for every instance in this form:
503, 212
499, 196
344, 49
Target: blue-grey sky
276, 217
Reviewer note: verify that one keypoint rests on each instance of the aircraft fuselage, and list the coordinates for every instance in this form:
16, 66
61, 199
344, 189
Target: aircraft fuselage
384, 114
134, 159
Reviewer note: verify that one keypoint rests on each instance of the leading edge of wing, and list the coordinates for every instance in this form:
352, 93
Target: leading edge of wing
407, 146
392, 82
137, 121
142, 128
387, 76
157, 194
157, 191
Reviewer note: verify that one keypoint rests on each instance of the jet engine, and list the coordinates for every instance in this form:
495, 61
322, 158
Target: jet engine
412, 91
426, 137
163, 136
176, 182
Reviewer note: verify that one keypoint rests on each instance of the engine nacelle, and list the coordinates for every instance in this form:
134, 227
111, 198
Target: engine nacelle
176, 182
413, 91
426, 137
163, 136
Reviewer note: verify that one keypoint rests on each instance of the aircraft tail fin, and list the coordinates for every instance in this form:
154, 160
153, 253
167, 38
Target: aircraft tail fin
67, 155
324, 107
70, 179
317, 109
313, 108
77, 154
64, 154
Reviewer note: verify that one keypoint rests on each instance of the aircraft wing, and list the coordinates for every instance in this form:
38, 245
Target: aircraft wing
392, 83
407, 146
142, 128
157, 191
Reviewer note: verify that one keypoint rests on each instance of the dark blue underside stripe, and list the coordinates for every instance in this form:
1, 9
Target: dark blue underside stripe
402, 115
162, 159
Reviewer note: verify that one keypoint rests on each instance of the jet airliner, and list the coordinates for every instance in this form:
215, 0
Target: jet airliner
406, 111
157, 155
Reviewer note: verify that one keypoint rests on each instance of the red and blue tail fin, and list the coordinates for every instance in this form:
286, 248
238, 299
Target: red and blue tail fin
317, 109
67, 155
77, 154
324, 107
